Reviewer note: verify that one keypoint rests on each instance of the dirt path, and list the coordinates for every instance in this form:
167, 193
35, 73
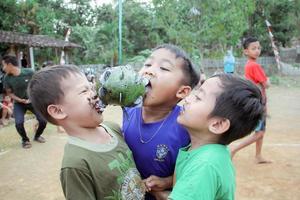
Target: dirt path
34, 174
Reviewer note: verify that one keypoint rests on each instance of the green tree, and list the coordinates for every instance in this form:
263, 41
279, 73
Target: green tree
204, 24
281, 14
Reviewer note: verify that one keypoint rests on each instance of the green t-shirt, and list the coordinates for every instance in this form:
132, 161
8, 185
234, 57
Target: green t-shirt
206, 173
18, 84
95, 171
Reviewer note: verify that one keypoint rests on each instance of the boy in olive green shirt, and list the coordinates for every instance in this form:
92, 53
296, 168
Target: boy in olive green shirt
97, 164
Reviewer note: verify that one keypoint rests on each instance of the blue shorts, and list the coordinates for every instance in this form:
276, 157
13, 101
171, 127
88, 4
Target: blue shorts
261, 126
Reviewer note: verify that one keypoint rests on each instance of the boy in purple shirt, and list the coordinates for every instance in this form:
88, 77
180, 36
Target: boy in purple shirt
151, 131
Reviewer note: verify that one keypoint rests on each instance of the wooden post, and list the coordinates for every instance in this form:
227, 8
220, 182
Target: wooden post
275, 50
31, 57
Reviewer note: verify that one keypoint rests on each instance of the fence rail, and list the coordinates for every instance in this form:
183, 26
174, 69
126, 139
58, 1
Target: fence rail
210, 66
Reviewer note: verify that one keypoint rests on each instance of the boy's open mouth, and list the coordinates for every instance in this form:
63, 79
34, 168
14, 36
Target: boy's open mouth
182, 109
96, 104
148, 85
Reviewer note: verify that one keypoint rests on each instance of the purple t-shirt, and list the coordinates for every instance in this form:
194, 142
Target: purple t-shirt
154, 145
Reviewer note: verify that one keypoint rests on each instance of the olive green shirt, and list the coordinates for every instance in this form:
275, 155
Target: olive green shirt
18, 84
94, 171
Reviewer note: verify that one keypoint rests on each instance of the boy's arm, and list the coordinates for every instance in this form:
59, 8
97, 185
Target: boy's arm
155, 183
6, 107
76, 184
267, 84
16, 98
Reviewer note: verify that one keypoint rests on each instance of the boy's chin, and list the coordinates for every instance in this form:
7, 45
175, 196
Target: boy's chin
179, 120
147, 101
98, 120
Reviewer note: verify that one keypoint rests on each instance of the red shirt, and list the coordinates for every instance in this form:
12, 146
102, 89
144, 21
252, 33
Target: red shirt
255, 73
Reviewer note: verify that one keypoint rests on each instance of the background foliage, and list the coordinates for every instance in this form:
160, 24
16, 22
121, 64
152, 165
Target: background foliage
204, 28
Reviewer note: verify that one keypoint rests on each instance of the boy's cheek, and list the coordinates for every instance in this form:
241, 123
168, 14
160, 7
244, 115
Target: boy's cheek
141, 72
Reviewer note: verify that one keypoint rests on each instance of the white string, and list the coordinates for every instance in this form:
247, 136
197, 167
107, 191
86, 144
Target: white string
147, 141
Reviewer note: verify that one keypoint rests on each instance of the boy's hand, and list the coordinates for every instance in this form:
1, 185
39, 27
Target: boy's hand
268, 83
25, 101
155, 183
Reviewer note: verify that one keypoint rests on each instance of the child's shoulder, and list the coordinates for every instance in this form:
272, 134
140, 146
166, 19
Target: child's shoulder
75, 156
112, 126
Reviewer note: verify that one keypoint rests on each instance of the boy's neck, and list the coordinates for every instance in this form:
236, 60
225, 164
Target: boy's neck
200, 139
96, 135
153, 114
252, 59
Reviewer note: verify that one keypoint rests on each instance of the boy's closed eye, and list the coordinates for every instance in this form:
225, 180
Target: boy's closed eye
164, 68
198, 94
84, 90
198, 98
147, 64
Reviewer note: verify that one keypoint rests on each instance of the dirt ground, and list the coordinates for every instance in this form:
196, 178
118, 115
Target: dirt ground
33, 174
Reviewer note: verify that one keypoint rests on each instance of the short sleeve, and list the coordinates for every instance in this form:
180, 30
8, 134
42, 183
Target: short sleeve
77, 184
197, 183
259, 75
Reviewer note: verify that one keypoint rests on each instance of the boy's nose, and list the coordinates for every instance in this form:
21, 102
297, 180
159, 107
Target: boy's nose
187, 99
147, 72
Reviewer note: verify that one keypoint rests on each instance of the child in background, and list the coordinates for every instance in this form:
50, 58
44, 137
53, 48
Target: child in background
255, 73
225, 108
97, 163
7, 108
151, 130
229, 62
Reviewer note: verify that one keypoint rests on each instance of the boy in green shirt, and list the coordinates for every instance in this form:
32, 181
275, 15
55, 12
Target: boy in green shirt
97, 163
225, 108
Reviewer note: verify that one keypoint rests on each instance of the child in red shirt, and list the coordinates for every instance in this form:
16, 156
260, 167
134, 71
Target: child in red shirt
255, 73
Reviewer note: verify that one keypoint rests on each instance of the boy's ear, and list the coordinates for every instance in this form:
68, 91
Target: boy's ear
183, 91
218, 125
56, 112
245, 51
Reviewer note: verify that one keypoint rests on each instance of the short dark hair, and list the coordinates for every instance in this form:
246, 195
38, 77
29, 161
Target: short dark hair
8, 59
192, 77
241, 103
45, 87
249, 40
